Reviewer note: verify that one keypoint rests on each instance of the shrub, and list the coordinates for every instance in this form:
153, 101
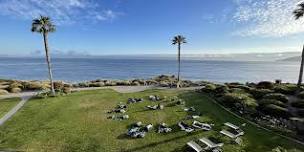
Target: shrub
301, 113
259, 93
208, 88
221, 89
301, 95
276, 96
237, 90
3, 92
265, 85
235, 99
298, 104
265, 102
276, 111
286, 88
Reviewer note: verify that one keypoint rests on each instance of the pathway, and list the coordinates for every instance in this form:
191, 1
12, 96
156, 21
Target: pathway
25, 97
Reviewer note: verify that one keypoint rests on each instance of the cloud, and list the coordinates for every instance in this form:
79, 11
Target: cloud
267, 18
62, 11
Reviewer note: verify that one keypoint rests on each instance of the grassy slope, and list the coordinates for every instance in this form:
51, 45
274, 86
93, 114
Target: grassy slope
7, 104
78, 123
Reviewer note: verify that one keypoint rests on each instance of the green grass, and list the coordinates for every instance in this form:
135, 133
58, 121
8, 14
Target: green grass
7, 104
78, 122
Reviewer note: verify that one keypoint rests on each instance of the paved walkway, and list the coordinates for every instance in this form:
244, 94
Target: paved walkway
25, 97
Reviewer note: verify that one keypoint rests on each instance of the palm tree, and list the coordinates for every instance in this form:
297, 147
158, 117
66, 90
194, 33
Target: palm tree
179, 40
299, 13
44, 26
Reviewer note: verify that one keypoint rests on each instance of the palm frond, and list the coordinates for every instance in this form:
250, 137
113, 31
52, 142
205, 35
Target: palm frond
179, 39
43, 24
299, 12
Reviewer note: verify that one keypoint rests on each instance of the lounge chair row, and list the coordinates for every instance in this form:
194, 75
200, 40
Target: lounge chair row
215, 147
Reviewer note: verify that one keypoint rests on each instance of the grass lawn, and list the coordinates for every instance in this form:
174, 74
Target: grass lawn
78, 122
7, 104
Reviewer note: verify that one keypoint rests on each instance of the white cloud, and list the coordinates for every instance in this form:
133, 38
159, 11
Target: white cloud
62, 11
267, 18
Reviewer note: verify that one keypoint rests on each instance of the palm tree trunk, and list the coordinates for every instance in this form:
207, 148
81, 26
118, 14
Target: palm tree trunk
179, 62
301, 69
48, 60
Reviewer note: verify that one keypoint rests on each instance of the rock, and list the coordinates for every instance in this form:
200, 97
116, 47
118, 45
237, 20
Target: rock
96, 84
164, 84
15, 90
123, 83
33, 85
15, 85
4, 87
3, 92
110, 83
135, 83
67, 90
58, 85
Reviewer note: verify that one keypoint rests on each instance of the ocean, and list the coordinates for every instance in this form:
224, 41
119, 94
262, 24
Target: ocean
83, 69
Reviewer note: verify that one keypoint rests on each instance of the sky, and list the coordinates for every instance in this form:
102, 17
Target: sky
106, 27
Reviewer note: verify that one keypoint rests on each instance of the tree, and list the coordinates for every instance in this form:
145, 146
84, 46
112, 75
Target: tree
44, 26
179, 40
299, 13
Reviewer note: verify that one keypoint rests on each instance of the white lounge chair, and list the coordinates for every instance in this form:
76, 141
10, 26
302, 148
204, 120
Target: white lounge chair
195, 146
210, 144
231, 125
229, 134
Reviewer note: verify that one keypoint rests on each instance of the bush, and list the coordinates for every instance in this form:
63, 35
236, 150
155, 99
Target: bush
301, 113
235, 99
208, 88
301, 95
3, 92
276, 111
259, 93
276, 96
237, 90
298, 104
221, 89
265, 102
286, 88
265, 85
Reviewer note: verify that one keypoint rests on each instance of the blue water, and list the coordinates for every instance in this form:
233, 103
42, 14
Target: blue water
73, 70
